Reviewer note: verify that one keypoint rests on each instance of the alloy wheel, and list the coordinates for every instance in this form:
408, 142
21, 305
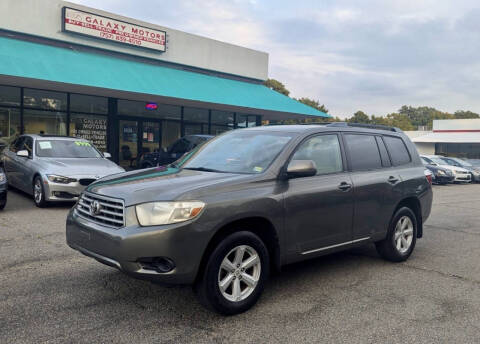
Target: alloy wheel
403, 234
37, 191
239, 273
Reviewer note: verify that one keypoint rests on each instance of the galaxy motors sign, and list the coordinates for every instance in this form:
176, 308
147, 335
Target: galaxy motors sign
109, 29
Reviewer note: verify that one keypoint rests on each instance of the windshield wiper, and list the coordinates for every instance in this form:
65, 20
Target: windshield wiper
203, 169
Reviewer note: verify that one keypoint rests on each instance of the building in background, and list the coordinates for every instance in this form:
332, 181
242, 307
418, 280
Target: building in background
450, 137
129, 86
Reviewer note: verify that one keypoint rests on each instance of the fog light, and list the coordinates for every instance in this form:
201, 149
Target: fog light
158, 264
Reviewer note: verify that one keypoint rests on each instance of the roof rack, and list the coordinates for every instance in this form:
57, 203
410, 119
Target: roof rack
365, 125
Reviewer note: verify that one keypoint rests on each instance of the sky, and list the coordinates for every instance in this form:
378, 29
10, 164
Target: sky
369, 55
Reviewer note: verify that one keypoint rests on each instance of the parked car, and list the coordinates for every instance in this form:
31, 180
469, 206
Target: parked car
474, 170
440, 175
461, 175
252, 199
174, 152
3, 189
54, 168
474, 162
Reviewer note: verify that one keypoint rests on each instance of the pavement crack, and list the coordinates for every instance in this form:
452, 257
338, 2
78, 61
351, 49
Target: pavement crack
441, 273
450, 229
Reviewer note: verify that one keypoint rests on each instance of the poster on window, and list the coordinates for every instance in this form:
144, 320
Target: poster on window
92, 129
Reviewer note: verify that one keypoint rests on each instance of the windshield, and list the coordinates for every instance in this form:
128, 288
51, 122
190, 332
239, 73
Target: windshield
439, 161
239, 152
462, 162
65, 149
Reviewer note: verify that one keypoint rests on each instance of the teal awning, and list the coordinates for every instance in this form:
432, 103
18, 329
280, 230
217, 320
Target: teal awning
45, 62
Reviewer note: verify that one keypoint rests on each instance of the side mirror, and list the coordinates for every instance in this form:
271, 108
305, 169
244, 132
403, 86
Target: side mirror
301, 168
23, 153
107, 155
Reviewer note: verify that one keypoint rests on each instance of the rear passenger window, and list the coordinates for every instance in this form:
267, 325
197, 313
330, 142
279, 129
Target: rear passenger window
383, 153
363, 152
397, 149
324, 150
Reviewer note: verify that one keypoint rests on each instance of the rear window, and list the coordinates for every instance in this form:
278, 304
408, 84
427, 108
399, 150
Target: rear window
397, 149
363, 152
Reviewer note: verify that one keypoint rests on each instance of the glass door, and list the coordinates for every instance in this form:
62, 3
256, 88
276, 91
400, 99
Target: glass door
150, 137
128, 144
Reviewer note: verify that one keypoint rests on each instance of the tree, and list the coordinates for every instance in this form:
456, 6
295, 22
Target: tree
359, 117
277, 86
399, 120
460, 114
313, 103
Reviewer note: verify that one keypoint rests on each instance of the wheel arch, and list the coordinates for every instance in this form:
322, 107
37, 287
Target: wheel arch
260, 226
414, 204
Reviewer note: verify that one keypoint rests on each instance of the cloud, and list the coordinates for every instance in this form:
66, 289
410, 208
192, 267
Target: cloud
373, 55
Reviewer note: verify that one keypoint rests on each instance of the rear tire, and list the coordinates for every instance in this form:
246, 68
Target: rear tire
235, 274
401, 236
39, 193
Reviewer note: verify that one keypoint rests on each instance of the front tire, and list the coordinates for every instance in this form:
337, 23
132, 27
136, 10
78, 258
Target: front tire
401, 236
235, 274
39, 193
3, 203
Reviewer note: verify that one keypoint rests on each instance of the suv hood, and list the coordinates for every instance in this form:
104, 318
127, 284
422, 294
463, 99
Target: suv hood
70, 167
159, 184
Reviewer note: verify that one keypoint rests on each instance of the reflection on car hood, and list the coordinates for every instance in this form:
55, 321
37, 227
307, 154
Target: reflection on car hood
159, 184
454, 168
81, 166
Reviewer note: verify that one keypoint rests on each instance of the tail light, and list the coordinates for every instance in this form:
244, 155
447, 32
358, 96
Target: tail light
428, 175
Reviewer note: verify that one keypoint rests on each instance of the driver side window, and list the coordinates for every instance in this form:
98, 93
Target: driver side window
324, 151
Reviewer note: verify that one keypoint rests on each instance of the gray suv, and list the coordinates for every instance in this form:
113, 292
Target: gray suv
253, 200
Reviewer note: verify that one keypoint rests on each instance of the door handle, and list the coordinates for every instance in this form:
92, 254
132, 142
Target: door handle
392, 179
344, 186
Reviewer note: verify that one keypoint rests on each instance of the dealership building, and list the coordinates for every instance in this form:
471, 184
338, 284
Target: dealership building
450, 137
128, 86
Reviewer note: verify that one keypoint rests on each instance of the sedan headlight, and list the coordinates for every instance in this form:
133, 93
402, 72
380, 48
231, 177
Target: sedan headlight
164, 213
60, 179
2, 177
441, 173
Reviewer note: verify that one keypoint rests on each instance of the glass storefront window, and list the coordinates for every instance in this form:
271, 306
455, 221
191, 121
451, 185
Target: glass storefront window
196, 128
45, 99
9, 126
170, 133
222, 118
9, 96
90, 127
218, 129
136, 108
195, 115
246, 121
45, 122
88, 104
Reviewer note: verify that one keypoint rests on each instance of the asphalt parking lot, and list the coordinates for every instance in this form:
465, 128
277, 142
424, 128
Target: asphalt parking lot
50, 293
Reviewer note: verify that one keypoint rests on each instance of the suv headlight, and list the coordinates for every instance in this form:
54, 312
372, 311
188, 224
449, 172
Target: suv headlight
60, 179
164, 213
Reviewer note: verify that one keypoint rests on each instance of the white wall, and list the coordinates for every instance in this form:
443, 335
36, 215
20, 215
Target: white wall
425, 148
44, 18
456, 124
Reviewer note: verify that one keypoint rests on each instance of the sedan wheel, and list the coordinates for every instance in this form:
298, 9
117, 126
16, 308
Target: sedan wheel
38, 193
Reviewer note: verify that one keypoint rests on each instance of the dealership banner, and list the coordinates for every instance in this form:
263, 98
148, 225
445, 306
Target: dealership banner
97, 26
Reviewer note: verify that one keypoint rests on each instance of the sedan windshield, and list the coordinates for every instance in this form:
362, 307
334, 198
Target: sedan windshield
439, 161
65, 149
239, 152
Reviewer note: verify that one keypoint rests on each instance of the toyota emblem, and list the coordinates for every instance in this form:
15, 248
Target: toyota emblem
95, 208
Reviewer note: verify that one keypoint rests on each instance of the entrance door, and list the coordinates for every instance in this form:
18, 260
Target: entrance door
128, 144
150, 138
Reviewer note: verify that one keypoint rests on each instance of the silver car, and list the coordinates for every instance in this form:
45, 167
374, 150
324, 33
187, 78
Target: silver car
54, 168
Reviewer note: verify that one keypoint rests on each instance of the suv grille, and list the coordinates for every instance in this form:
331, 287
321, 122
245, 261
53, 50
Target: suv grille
102, 210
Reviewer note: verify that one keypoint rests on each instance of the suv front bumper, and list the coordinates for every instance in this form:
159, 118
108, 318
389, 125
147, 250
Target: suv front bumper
126, 248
